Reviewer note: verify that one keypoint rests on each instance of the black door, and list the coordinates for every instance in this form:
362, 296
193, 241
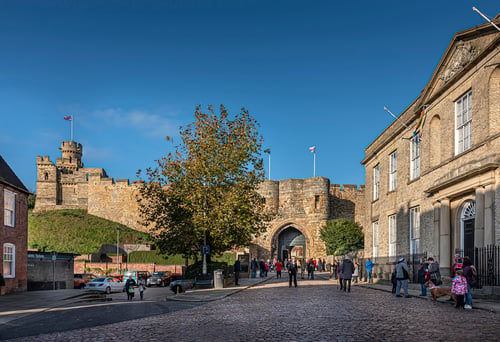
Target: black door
469, 238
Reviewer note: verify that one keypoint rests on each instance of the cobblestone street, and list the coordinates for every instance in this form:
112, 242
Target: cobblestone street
314, 311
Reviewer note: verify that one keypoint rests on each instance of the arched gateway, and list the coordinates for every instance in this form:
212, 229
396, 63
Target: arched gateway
301, 207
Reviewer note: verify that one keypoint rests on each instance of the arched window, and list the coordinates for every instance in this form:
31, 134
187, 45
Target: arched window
46, 176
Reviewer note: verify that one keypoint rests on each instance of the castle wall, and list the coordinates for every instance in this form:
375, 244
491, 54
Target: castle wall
115, 201
304, 204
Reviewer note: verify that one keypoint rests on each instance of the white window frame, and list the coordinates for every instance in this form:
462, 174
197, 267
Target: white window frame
393, 171
375, 240
9, 260
415, 156
376, 181
415, 230
9, 208
393, 236
463, 123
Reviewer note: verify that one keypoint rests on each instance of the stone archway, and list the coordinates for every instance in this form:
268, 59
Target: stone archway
289, 242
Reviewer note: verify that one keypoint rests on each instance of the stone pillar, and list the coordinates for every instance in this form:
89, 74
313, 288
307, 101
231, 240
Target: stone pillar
444, 234
437, 208
489, 227
479, 220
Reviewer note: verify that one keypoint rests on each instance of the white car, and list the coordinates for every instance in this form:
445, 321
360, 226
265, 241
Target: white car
107, 285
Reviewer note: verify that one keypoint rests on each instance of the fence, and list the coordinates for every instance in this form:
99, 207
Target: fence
487, 262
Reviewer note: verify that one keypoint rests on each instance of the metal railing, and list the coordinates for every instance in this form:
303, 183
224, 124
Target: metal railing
487, 262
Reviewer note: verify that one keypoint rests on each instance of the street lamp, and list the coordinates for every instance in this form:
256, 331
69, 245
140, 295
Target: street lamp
117, 250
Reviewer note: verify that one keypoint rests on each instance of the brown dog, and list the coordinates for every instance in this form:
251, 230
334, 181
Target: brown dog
437, 292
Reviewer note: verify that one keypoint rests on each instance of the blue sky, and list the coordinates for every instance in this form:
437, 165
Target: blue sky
131, 72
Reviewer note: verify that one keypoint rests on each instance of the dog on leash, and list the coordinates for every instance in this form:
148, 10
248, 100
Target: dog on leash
437, 292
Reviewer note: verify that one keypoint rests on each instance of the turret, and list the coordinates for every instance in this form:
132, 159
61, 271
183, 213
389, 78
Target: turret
71, 160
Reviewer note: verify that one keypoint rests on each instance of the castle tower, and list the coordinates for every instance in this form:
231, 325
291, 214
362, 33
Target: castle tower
71, 160
47, 183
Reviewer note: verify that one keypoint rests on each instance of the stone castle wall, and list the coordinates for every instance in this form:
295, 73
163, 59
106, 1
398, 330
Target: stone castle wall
305, 204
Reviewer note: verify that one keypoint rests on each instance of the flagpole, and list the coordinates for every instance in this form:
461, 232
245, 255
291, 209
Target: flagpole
269, 166
314, 163
485, 17
72, 119
401, 122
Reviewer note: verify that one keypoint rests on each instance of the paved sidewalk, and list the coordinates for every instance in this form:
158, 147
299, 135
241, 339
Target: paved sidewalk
414, 291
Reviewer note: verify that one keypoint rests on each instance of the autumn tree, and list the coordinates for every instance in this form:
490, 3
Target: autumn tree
342, 236
207, 187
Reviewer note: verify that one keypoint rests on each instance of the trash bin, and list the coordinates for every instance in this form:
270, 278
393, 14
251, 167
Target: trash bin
218, 279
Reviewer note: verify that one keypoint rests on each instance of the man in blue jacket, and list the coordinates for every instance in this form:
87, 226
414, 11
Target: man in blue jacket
369, 269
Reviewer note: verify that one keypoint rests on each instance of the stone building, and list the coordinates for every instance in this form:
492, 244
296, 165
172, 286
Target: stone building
69, 185
435, 188
301, 206
13, 230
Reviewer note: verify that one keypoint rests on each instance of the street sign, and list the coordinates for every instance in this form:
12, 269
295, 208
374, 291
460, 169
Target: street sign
205, 249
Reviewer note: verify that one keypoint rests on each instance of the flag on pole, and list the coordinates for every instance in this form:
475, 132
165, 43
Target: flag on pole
267, 150
68, 117
312, 149
420, 122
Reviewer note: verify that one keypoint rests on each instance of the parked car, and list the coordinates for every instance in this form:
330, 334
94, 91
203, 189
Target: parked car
135, 275
179, 286
107, 285
159, 279
82, 278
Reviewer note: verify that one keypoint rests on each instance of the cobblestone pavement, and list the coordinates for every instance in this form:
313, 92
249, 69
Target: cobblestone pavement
314, 311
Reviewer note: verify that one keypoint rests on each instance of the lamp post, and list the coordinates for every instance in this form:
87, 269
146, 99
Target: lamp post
117, 250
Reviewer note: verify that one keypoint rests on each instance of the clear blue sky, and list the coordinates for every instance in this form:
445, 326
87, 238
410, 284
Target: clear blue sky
131, 72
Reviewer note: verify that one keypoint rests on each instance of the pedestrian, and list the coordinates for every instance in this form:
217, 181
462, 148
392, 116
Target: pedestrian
335, 267
130, 288
320, 264
262, 268
303, 267
459, 288
394, 281
237, 269
355, 274
254, 267
402, 276
278, 266
434, 271
369, 270
324, 265
422, 271
459, 263
310, 269
341, 280
266, 269
292, 273
470, 273
347, 272
141, 286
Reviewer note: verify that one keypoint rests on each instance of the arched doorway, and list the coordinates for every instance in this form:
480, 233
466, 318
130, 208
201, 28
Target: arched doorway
467, 218
291, 243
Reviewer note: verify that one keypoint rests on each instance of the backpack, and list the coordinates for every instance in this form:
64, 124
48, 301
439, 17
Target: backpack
405, 273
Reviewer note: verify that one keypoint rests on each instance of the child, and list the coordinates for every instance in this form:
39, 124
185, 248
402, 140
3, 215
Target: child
459, 287
394, 281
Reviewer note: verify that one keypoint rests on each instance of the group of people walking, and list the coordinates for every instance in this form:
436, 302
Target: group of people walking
130, 286
463, 279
